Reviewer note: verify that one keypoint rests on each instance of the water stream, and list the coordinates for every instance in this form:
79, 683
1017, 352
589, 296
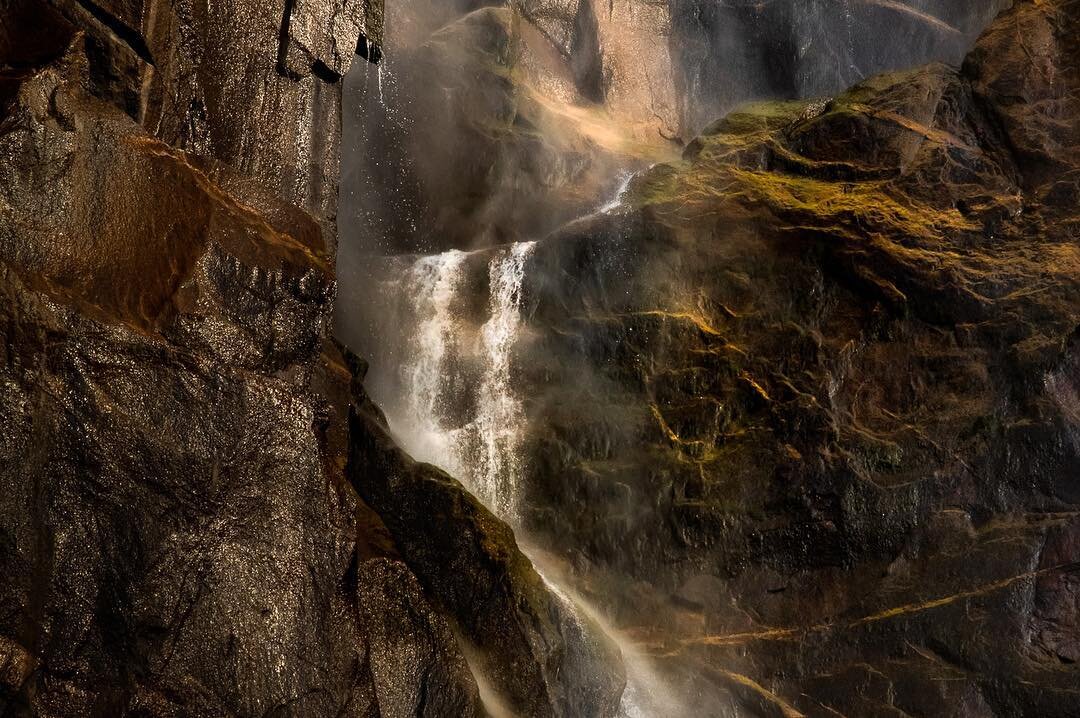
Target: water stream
482, 449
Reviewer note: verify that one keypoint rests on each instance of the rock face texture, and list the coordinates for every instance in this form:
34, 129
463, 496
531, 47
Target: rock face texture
251, 84
178, 534
532, 645
723, 54
818, 384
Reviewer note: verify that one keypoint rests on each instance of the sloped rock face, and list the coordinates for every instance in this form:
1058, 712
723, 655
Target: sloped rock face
817, 383
543, 657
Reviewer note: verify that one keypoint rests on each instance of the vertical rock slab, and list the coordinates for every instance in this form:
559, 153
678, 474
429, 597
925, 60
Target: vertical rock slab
176, 535
254, 85
415, 663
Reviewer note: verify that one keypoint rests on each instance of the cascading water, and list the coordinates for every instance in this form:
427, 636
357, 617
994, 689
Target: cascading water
485, 450
499, 417
624, 184
430, 285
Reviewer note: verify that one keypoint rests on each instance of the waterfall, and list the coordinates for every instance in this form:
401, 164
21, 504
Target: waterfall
499, 417
647, 694
615, 202
485, 450
430, 286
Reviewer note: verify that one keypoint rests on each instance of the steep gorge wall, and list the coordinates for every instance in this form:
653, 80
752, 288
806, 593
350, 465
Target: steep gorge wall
182, 441
813, 388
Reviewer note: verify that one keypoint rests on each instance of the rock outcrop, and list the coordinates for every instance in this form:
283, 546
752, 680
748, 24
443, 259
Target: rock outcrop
539, 652
478, 131
178, 536
817, 384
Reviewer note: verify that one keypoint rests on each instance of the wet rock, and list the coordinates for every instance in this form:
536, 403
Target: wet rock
724, 54
829, 359
176, 534
415, 662
542, 656
219, 80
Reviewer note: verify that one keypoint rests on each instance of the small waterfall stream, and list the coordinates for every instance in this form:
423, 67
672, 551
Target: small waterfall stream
500, 420
431, 285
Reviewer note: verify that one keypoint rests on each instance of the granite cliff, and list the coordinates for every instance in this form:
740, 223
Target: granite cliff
183, 442
799, 408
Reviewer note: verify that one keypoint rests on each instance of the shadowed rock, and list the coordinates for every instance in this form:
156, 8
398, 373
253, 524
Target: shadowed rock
542, 656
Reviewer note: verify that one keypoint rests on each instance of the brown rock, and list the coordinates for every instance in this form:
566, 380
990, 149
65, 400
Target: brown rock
543, 657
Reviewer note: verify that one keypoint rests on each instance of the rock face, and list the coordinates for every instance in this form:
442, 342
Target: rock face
723, 54
251, 84
817, 383
177, 532
499, 121
479, 131
542, 656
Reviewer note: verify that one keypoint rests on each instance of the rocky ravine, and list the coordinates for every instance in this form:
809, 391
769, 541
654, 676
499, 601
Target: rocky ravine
180, 528
816, 386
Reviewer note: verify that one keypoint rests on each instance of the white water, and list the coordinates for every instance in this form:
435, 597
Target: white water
484, 451
614, 203
499, 417
646, 694
430, 285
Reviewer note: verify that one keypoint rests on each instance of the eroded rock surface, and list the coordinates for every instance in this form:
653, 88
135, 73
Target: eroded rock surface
816, 383
177, 533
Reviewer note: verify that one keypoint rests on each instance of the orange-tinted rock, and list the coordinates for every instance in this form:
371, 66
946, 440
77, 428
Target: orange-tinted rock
828, 359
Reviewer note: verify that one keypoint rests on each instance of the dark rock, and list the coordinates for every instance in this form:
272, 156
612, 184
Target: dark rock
416, 666
176, 535
252, 85
829, 359
543, 656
